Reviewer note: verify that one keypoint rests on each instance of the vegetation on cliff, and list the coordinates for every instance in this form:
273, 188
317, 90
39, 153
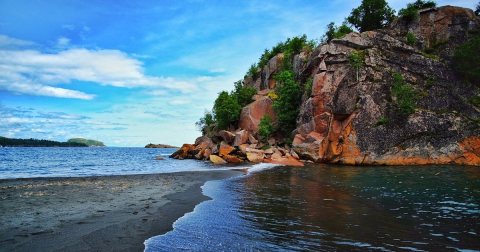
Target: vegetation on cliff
404, 94
371, 15
466, 60
411, 12
17, 142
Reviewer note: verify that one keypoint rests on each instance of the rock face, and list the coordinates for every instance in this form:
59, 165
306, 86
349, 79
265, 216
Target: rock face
339, 123
253, 112
352, 116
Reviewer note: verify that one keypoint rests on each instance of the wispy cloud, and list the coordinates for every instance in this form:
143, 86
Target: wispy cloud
33, 72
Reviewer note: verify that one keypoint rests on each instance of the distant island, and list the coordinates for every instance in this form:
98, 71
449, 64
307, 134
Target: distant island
150, 145
74, 142
88, 142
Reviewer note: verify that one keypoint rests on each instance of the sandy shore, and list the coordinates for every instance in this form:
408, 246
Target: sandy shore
114, 213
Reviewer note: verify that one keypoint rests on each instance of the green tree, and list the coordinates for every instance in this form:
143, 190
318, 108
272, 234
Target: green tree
371, 15
356, 59
411, 39
411, 12
334, 32
243, 94
477, 11
466, 60
266, 128
226, 110
406, 95
286, 106
205, 122
420, 4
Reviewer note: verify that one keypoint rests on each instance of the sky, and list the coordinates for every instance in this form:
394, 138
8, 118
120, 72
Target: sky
130, 73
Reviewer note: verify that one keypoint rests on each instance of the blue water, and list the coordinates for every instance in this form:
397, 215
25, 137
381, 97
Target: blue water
282, 208
334, 208
83, 162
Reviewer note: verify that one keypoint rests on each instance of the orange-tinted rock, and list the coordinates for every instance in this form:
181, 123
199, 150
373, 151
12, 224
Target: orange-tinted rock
217, 160
183, 152
225, 149
231, 159
207, 153
227, 136
285, 161
252, 139
252, 113
241, 137
255, 157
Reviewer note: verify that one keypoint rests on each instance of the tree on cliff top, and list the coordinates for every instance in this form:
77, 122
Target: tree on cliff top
371, 15
334, 32
411, 12
287, 104
226, 110
477, 11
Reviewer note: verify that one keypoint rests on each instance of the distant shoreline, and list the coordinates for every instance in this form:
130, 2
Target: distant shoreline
74, 142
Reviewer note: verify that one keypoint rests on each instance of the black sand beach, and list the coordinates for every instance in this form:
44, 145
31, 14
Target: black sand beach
113, 213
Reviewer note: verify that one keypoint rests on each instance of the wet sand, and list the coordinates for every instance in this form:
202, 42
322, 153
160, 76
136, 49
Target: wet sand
113, 213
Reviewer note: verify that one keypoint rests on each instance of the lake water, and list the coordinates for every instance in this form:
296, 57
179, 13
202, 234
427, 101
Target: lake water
282, 208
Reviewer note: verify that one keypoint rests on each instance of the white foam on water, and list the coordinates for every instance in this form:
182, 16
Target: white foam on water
261, 167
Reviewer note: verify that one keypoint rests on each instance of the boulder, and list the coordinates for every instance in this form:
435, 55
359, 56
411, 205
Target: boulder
217, 160
252, 113
231, 159
252, 139
225, 149
183, 152
227, 136
241, 137
255, 157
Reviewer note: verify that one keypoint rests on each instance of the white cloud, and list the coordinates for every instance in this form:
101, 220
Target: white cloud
33, 72
10, 43
179, 102
62, 42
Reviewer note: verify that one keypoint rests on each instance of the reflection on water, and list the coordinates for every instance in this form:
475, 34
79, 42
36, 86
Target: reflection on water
335, 208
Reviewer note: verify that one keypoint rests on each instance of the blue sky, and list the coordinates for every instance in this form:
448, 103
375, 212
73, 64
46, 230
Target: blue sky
129, 73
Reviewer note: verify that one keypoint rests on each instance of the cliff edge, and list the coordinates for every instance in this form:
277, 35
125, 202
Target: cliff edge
354, 113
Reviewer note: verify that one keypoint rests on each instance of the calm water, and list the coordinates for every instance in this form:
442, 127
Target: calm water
281, 208
335, 208
81, 162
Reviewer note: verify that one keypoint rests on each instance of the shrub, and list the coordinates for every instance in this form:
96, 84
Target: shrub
286, 106
406, 95
272, 95
371, 15
308, 87
411, 39
253, 71
205, 122
409, 14
380, 122
265, 128
226, 110
334, 32
356, 59
243, 94
466, 60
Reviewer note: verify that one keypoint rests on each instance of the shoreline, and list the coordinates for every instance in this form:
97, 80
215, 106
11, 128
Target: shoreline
106, 213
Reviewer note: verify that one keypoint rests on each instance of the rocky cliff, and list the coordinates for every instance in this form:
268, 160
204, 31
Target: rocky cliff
352, 115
